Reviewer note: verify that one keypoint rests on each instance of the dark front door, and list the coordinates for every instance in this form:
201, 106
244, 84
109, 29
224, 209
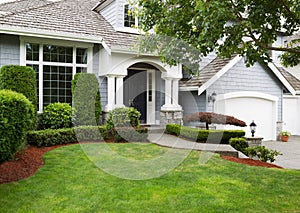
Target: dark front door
135, 92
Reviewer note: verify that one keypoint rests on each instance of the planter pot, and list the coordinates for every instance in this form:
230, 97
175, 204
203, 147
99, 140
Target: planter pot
284, 138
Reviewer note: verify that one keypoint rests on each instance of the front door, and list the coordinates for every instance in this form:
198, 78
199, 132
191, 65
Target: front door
135, 92
139, 92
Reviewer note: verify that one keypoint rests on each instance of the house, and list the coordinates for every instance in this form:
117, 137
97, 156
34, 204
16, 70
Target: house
60, 38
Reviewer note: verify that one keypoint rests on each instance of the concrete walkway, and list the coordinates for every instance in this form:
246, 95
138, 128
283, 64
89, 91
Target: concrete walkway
167, 140
290, 150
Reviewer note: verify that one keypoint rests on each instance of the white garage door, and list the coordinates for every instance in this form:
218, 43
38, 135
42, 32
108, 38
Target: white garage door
262, 111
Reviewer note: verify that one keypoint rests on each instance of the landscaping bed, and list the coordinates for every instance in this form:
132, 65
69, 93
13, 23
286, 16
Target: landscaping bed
29, 160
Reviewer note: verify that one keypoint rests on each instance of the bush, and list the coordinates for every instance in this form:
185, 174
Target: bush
51, 137
262, 153
173, 129
239, 144
20, 79
209, 136
86, 99
123, 117
56, 116
130, 134
16, 117
91, 133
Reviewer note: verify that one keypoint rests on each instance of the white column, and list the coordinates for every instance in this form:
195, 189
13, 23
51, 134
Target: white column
111, 93
175, 91
171, 95
119, 91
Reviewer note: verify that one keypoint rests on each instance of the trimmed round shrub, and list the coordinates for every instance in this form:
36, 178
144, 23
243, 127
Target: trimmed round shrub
17, 114
123, 117
57, 116
19, 79
86, 99
239, 144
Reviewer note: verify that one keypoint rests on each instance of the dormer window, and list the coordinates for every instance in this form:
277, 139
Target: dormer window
130, 19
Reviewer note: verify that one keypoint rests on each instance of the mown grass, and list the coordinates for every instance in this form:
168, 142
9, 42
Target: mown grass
71, 182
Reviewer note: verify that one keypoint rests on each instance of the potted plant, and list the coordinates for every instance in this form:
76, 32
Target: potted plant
284, 136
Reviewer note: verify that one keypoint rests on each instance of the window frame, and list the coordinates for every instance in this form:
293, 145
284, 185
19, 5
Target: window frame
136, 21
41, 63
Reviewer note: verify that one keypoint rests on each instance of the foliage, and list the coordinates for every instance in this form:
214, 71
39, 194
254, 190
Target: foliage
262, 153
123, 117
86, 99
285, 133
51, 137
130, 134
173, 129
209, 136
16, 117
20, 79
91, 133
70, 177
239, 144
56, 116
246, 28
210, 117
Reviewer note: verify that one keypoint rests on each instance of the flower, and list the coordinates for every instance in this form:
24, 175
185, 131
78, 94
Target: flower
285, 133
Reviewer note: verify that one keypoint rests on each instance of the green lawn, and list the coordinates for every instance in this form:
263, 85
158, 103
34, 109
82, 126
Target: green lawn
70, 182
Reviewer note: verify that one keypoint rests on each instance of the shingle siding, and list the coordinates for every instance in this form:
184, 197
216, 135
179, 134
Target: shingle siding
255, 79
9, 50
109, 13
191, 102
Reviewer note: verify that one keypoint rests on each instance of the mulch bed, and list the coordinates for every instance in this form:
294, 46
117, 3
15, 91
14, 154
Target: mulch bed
251, 162
29, 160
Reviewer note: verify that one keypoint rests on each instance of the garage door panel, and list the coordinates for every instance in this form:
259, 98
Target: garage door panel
248, 109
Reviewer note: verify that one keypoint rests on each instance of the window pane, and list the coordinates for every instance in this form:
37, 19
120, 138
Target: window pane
58, 86
81, 56
32, 52
81, 70
129, 18
58, 54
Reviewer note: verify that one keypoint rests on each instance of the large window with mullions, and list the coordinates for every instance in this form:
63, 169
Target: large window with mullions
55, 66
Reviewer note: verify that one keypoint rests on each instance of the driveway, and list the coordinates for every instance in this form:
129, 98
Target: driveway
290, 150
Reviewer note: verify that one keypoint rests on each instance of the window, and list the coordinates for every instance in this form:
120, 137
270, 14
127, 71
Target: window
130, 20
55, 66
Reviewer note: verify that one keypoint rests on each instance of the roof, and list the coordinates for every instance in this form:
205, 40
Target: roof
217, 67
62, 17
206, 73
294, 82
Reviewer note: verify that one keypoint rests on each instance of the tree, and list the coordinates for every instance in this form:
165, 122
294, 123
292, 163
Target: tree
213, 118
244, 27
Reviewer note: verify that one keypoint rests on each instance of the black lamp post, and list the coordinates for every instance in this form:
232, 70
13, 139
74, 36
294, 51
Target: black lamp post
212, 98
252, 128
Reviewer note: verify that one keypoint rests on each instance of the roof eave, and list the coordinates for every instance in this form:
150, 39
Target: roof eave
50, 34
101, 5
282, 79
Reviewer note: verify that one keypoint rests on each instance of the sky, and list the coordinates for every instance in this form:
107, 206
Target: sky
3, 1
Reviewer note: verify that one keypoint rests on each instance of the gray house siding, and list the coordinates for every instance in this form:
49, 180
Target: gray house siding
109, 13
9, 50
255, 78
191, 102
103, 91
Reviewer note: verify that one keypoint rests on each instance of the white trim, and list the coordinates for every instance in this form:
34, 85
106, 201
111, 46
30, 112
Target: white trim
187, 89
150, 117
50, 34
281, 78
219, 74
128, 30
100, 6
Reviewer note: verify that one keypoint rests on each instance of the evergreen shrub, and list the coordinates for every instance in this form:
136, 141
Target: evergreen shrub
86, 99
16, 117
57, 116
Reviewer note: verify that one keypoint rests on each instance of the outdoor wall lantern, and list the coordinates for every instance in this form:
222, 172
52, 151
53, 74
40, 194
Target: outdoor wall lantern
252, 128
212, 97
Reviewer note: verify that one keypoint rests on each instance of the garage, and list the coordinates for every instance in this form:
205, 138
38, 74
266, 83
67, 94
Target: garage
248, 106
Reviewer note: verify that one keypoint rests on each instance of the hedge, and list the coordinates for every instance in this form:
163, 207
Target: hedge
17, 114
51, 137
209, 136
239, 144
86, 99
20, 79
123, 117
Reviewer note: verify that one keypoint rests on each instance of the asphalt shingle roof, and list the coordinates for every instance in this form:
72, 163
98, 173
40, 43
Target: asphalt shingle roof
293, 81
206, 73
64, 16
